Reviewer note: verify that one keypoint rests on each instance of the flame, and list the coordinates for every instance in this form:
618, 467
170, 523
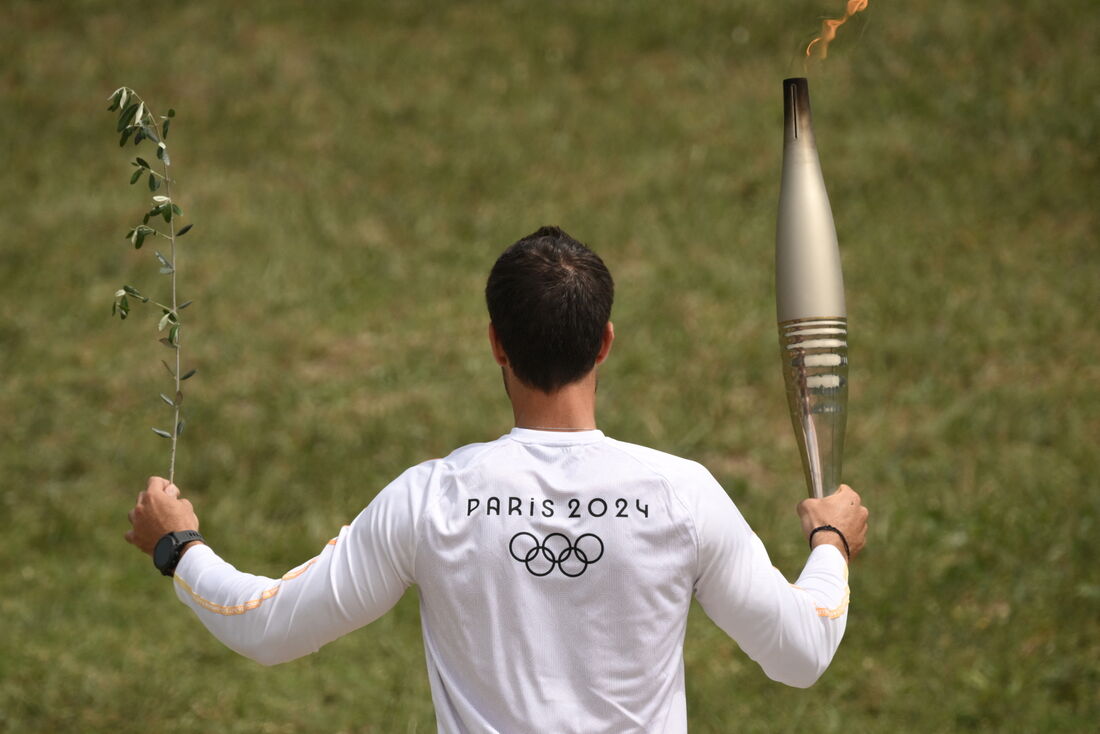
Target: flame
829, 26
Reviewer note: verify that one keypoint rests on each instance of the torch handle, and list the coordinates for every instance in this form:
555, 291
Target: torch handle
815, 371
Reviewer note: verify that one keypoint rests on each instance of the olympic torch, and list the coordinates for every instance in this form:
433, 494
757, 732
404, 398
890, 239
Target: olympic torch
809, 297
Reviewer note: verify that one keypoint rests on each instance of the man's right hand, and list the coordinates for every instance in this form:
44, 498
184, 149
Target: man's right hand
844, 511
159, 510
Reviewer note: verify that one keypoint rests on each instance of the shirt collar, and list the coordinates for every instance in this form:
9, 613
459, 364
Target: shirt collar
555, 438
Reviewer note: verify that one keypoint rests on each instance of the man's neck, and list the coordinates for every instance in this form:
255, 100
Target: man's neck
570, 408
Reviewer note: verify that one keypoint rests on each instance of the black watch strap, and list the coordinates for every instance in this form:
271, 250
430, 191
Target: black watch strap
166, 553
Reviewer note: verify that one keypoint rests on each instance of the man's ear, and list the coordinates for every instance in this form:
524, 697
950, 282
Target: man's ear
494, 343
605, 342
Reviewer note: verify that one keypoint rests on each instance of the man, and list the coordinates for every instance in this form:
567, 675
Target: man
555, 565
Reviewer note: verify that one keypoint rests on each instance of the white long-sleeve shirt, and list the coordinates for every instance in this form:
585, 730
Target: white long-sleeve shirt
555, 573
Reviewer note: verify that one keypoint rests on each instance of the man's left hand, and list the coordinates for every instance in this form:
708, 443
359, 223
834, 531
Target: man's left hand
159, 510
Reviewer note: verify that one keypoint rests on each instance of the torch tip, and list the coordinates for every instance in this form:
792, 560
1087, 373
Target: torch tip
796, 110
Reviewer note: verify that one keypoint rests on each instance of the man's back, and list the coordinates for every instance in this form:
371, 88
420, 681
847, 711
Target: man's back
555, 574
556, 571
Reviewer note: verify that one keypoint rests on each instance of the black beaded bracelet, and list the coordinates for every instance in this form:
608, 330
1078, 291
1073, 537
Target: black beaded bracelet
831, 529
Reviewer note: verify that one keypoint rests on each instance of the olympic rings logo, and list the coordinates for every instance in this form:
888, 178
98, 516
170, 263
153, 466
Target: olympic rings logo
557, 551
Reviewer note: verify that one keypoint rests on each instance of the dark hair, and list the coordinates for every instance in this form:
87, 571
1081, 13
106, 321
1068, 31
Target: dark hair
549, 299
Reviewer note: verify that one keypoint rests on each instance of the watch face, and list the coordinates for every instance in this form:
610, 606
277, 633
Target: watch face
164, 551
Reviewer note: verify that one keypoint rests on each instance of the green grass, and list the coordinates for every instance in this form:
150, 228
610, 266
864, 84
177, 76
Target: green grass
354, 170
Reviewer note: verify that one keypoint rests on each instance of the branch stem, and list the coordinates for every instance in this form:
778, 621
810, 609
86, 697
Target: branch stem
179, 329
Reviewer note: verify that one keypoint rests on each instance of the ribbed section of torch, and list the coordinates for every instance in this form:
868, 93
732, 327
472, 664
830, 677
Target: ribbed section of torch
815, 370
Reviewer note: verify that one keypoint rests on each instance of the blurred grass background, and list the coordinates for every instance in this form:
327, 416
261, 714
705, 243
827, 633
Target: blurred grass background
353, 169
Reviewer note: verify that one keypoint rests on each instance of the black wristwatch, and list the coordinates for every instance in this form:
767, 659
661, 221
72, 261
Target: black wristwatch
166, 553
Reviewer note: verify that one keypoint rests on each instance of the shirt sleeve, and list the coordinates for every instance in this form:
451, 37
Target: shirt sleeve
357, 577
791, 630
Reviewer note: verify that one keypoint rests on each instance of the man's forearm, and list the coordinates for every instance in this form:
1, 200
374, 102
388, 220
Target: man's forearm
810, 617
242, 611
791, 630
357, 577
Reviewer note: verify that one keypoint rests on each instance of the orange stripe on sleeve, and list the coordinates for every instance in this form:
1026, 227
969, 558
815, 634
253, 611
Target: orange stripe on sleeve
251, 604
835, 612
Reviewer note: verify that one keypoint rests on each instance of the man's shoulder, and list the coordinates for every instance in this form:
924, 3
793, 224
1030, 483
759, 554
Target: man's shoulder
430, 472
670, 465
463, 456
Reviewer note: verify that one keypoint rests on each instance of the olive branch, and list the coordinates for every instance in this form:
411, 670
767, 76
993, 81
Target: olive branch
138, 123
